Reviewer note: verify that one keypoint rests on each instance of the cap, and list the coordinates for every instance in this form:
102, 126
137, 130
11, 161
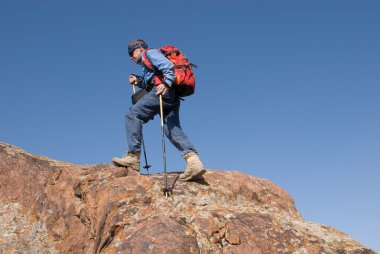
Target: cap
136, 44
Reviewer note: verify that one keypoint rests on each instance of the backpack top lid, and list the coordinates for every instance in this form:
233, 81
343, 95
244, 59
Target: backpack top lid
173, 54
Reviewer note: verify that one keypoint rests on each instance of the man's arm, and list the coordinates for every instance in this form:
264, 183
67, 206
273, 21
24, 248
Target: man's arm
162, 64
135, 80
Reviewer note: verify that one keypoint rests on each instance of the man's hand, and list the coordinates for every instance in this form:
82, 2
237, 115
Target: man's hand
133, 80
162, 89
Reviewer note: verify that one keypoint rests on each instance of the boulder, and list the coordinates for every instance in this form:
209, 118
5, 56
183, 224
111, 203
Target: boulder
48, 206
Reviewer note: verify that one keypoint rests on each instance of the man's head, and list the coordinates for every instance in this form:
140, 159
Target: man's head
135, 47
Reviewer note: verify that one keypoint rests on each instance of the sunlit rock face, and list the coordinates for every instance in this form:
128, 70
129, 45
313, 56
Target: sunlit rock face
47, 206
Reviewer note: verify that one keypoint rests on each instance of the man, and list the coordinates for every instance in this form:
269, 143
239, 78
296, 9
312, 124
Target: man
149, 106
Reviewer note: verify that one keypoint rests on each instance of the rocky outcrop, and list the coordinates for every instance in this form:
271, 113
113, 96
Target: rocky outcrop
47, 206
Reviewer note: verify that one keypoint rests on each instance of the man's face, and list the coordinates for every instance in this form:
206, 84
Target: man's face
135, 54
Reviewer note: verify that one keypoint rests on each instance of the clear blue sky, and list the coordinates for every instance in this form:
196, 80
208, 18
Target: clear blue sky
286, 90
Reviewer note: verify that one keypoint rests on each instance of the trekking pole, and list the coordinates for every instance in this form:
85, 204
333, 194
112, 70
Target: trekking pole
142, 141
167, 191
134, 89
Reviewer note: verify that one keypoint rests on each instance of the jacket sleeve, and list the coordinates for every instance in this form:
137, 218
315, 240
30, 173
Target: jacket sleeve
145, 78
162, 65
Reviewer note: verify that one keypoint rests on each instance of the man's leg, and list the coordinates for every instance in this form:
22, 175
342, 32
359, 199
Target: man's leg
144, 110
173, 130
175, 133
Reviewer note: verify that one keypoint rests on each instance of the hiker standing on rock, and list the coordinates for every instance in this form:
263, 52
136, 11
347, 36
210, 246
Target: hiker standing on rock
149, 106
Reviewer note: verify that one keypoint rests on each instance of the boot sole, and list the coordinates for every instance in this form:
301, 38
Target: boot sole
195, 177
117, 164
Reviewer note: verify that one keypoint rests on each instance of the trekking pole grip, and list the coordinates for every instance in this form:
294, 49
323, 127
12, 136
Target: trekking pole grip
134, 89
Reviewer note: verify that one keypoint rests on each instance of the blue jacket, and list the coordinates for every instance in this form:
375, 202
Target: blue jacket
161, 65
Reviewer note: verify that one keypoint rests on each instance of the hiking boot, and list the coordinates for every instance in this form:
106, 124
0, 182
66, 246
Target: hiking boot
194, 167
131, 160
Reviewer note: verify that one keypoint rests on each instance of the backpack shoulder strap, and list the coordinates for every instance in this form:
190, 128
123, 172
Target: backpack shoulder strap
145, 60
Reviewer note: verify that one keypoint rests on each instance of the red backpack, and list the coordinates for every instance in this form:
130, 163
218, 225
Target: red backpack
184, 81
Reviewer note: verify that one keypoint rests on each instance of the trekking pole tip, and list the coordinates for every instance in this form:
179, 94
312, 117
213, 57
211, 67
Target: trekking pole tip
167, 192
